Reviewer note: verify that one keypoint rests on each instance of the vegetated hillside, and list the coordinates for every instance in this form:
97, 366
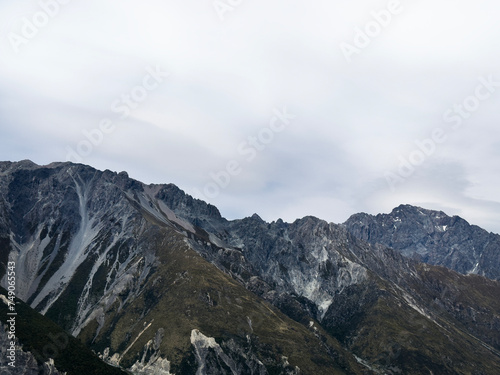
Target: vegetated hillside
379, 304
42, 341
158, 282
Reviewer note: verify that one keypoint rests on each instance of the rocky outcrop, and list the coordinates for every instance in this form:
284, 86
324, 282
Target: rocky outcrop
159, 283
432, 237
108, 258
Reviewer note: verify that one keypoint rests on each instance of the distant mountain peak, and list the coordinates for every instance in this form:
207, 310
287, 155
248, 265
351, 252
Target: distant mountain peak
432, 237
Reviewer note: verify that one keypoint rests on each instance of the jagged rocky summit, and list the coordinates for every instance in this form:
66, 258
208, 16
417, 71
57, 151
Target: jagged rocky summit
432, 237
157, 282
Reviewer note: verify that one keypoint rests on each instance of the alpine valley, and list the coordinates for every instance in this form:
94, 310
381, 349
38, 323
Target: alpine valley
114, 276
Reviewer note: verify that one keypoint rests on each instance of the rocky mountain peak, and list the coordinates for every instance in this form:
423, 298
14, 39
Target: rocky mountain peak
158, 282
432, 237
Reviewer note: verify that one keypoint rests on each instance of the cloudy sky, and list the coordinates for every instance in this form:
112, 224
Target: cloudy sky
284, 108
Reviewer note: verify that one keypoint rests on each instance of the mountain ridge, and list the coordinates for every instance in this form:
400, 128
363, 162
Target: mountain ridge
432, 237
156, 281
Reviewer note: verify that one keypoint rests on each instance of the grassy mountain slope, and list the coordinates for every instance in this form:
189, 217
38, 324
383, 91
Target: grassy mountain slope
185, 293
381, 324
45, 339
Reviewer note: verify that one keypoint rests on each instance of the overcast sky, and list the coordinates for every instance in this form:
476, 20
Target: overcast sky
284, 108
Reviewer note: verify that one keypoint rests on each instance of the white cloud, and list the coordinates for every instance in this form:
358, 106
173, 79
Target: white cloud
353, 120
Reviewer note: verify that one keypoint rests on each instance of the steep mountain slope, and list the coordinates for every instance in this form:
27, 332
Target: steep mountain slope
432, 237
158, 282
43, 347
379, 304
98, 254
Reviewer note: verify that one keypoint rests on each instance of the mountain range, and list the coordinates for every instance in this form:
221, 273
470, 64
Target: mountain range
145, 279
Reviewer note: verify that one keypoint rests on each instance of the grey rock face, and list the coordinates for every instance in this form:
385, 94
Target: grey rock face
231, 359
303, 258
87, 245
91, 247
432, 237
